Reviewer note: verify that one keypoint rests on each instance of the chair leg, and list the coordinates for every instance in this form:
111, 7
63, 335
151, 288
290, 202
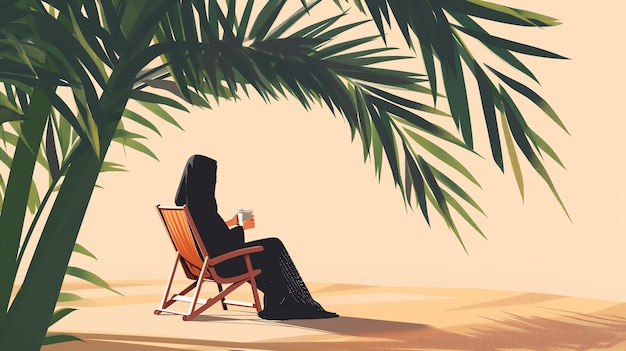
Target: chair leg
196, 294
219, 289
168, 287
212, 301
255, 293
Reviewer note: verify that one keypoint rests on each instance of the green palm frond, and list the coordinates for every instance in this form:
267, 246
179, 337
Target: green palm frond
438, 28
59, 338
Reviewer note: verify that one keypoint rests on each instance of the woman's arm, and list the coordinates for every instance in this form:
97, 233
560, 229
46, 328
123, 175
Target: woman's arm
247, 224
232, 222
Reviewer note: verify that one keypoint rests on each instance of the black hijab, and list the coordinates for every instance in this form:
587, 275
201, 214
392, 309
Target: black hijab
197, 191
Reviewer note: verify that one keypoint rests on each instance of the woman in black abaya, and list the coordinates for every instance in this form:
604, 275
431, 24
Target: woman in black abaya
285, 294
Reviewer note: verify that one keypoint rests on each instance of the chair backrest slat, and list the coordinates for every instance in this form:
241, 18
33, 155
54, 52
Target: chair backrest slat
179, 229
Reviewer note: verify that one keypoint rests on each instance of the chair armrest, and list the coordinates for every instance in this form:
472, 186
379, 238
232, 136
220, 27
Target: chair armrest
235, 253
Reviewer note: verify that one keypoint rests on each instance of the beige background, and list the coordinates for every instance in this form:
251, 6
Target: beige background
309, 186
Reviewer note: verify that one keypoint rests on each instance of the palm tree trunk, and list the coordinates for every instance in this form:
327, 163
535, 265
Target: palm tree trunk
16, 197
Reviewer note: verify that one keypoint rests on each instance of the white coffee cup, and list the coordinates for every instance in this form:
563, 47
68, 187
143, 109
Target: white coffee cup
243, 214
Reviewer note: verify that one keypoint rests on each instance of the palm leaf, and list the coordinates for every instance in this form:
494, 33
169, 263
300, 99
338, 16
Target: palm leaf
513, 117
128, 139
510, 145
461, 211
90, 277
542, 145
438, 199
68, 297
112, 167
456, 189
60, 314
417, 181
9, 111
265, 19
499, 13
508, 44
161, 113
532, 96
150, 98
135, 117
442, 155
279, 30
504, 54
82, 250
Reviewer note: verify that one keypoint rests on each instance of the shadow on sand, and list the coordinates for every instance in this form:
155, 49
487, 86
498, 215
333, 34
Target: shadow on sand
567, 331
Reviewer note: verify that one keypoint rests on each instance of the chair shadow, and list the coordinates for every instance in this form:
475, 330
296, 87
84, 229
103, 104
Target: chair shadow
227, 316
341, 325
354, 326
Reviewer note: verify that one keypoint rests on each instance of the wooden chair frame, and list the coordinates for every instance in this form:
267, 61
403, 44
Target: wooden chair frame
198, 266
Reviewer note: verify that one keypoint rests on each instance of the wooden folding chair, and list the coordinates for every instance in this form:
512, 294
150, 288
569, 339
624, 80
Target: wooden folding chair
199, 267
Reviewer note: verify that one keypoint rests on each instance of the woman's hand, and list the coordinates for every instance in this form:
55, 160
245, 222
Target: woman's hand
248, 223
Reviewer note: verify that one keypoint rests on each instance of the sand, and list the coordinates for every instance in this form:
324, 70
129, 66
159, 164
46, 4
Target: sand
372, 318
